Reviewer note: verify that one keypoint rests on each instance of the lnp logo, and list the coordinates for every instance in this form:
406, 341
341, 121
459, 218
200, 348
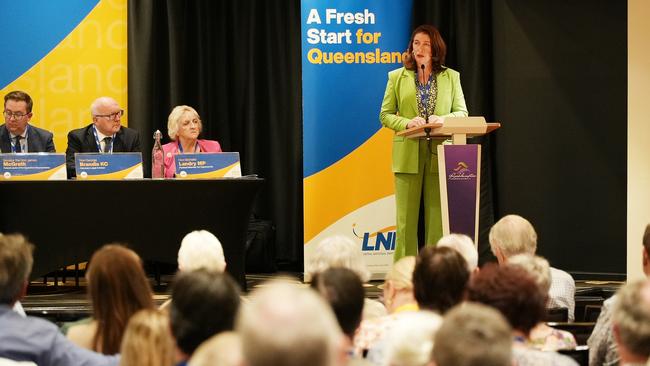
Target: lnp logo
461, 172
375, 241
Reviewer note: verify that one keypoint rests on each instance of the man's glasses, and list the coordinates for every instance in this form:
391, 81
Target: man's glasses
113, 116
10, 115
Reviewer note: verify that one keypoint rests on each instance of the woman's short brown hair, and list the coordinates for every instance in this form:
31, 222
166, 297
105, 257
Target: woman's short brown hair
438, 48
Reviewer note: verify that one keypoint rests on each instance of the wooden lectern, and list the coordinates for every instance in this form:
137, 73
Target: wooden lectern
459, 167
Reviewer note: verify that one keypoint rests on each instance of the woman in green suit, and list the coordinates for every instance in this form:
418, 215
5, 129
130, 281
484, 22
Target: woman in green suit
423, 91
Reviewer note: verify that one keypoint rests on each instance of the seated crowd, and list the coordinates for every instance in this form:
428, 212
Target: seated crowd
438, 308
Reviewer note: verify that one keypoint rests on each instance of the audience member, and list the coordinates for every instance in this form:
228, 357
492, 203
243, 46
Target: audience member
17, 134
514, 235
223, 349
204, 303
542, 336
147, 340
118, 288
464, 245
439, 279
288, 326
410, 343
631, 323
399, 300
473, 335
184, 127
515, 294
343, 290
105, 134
341, 251
28, 338
602, 346
201, 249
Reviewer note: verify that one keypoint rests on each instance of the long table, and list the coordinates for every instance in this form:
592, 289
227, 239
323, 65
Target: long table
68, 220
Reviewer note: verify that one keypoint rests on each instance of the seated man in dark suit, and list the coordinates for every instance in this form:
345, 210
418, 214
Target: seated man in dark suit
16, 134
105, 134
29, 338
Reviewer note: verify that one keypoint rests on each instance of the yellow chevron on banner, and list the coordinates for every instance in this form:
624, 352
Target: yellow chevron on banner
90, 62
361, 177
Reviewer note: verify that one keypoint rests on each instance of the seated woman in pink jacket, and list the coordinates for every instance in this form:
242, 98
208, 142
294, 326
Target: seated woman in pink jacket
183, 127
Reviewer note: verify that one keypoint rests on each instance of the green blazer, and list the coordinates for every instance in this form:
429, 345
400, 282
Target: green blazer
400, 106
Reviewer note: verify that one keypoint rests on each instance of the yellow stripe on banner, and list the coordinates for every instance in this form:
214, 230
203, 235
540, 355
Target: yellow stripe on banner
90, 62
361, 177
121, 174
213, 174
38, 176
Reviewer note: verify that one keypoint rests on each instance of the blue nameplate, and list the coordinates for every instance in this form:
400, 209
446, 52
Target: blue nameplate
33, 166
208, 165
95, 166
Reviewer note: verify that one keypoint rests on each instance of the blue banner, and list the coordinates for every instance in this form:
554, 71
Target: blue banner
348, 48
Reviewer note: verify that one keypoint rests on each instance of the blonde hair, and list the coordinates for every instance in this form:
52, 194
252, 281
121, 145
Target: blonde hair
464, 245
536, 266
147, 340
411, 339
174, 119
201, 249
223, 349
338, 251
401, 274
513, 235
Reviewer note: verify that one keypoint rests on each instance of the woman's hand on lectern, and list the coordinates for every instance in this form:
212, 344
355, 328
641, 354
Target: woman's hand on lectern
436, 119
415, 122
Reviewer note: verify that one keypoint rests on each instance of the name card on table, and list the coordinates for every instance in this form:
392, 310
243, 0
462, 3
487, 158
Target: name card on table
94, 166
208, 165
33, 166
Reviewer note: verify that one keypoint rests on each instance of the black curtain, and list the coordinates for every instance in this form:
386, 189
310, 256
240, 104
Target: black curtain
466, 27
238, 64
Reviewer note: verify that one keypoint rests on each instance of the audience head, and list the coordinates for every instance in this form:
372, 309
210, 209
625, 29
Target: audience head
15, 266
536, 267
439, 278
201, 249
17, 111
184, 121
288, 326
464, 245
512, 235
204, 303
410, 341
343, 290
338, 251
223, 349
147, 340
118, 288
513, 292
399, 280
646, 251
473, 335
631, 322
107, 115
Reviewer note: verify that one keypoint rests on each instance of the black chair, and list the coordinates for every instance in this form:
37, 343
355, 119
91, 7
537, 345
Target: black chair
592, 312
557, 315
580, 354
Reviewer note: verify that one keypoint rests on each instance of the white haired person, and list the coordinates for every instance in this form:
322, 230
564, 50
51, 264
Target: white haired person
514, 235
199, 249
464, 245
542, 336
341, 251
184, 127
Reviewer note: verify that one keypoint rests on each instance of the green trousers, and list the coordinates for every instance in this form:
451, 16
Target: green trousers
409, 189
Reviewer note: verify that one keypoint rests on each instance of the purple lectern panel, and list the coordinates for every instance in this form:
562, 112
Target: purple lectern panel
461, 174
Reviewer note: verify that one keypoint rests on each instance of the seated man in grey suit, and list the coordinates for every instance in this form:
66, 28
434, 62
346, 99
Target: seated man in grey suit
105, 134
29, 338
16, 134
